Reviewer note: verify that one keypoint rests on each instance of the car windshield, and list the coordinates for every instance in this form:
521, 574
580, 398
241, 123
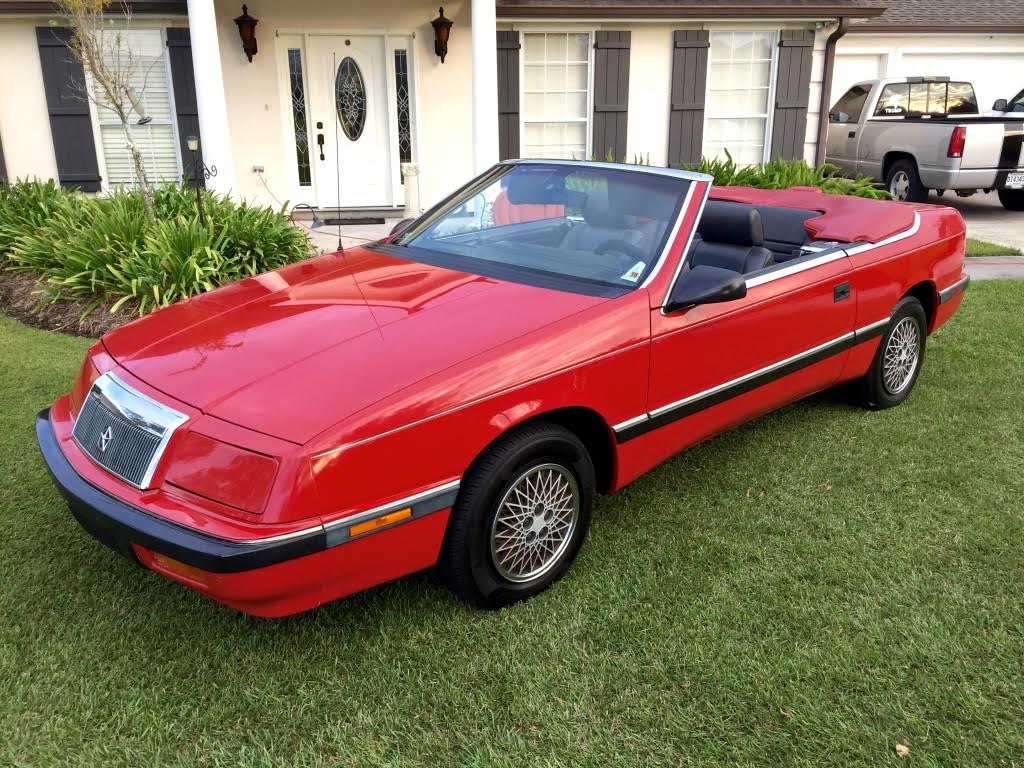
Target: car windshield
565, 225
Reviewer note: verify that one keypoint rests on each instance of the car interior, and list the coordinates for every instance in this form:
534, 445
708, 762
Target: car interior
745, 238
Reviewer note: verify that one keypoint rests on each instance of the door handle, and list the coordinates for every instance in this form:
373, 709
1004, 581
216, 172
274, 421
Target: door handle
320, 143
841, 291
851, 134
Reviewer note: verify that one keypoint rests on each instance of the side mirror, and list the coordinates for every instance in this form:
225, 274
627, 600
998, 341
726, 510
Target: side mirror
839, 117
705, 285
1000, 105
400, 227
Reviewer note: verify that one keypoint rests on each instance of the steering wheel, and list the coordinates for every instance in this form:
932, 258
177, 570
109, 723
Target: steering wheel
621, 246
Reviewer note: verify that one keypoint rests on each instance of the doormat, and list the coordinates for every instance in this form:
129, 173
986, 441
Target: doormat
354, 220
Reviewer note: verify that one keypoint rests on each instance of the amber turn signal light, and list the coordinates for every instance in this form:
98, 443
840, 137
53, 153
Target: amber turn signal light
380, 522
181, 569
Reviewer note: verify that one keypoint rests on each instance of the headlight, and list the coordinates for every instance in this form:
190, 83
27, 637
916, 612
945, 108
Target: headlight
222, 472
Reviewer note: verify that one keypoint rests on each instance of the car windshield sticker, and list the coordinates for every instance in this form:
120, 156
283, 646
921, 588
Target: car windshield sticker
634, 272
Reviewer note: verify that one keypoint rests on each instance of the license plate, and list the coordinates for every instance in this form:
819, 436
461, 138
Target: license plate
1015, 179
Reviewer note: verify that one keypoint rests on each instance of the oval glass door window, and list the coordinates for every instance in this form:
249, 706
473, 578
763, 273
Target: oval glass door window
350, 98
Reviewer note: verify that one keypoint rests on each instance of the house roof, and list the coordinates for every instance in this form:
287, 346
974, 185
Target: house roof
945, 16
164, 7
697, 9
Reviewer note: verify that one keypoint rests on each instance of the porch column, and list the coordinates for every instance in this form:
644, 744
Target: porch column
485, 85
210, 101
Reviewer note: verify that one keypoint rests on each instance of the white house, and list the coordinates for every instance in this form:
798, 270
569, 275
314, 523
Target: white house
339, 96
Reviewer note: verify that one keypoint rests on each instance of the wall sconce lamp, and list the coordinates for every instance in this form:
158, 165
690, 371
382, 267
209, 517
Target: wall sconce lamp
200, 171
442, 29
247, 31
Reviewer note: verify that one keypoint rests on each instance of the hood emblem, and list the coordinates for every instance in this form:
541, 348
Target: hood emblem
104, 441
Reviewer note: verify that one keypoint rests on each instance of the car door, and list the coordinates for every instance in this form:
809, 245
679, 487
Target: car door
844, 127
717, 365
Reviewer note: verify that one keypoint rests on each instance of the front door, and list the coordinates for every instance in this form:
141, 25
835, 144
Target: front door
350, 114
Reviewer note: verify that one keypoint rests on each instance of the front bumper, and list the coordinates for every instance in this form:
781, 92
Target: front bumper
119, 525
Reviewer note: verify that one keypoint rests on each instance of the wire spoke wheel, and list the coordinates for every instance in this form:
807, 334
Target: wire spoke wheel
902, 351
535, 522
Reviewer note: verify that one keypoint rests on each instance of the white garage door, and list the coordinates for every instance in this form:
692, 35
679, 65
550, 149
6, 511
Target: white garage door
852, 68
994, 75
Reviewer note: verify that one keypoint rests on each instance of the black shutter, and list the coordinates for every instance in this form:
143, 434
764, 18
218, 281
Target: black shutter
179, 49
68, 106
508, 95
792, 90
611, 93
689, 83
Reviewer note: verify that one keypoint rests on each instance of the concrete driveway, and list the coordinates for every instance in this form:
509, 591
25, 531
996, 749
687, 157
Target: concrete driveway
986, 218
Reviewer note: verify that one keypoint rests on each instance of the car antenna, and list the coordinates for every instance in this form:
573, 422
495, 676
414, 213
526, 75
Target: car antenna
337, 158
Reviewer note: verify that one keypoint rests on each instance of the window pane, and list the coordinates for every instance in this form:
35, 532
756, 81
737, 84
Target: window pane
402, 107
299, 116
895, 100
737, 104
556, 86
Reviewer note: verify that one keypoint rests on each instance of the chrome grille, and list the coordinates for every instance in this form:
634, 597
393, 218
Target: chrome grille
124, 431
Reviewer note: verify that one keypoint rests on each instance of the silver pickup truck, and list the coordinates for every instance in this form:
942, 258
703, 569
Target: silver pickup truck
918, 133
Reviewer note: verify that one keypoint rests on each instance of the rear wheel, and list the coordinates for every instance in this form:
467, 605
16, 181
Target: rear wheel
521, 516
904, 183
1012, 199
898, 360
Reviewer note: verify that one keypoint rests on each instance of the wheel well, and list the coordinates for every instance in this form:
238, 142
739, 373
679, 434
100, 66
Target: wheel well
590, 428
925, 293
892, 157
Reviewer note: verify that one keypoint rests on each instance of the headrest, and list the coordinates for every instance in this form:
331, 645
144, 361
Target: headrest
732, 223
597, 214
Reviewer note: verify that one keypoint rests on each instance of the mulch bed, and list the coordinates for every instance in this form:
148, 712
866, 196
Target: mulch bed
21, 298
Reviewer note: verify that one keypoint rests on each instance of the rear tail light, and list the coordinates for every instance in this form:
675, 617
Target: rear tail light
957, 141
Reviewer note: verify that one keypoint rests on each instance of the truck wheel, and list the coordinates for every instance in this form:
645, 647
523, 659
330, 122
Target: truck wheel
1012, 199
904, 184
520, 518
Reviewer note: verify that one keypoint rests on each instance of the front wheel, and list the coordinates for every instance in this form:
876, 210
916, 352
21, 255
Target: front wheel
898, 361
904, 183
520, 518
1012, 199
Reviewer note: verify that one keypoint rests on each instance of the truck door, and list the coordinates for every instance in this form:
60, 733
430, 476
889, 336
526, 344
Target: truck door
844, 127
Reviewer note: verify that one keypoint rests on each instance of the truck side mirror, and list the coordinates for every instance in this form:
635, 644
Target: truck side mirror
1000, 105
840, 117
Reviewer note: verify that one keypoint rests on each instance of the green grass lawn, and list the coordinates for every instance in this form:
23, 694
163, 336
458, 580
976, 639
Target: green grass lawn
985, 248
811, 589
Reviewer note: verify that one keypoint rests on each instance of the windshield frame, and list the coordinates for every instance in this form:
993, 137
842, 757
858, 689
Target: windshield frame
530, 275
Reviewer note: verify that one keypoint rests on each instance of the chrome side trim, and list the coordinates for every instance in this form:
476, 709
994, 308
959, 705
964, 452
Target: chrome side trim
752, 375
671, 238
778, 274
909, 232
685, 254
955, 289
139, 409
630, 422
812, 355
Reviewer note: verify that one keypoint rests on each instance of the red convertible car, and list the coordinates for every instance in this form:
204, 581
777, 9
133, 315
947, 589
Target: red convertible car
456, 394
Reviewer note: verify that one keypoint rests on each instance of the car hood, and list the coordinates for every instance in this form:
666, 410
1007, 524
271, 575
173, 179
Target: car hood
290, 353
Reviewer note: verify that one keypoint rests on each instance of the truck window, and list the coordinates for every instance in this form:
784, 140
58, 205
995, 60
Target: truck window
926, 98
894, 101
851, 104
961, 100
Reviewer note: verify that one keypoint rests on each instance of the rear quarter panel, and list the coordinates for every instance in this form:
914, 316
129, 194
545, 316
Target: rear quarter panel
931, 260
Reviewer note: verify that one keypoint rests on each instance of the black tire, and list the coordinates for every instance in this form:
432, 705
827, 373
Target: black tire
905, 171
1012, 199
466, 563
874, 390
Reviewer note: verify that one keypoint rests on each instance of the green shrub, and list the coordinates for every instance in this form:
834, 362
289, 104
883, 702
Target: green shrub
781, 174
104, 249
26, 206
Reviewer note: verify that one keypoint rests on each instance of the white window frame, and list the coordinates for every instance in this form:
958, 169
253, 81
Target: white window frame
96, 123
589, 121
773, 66
297, 193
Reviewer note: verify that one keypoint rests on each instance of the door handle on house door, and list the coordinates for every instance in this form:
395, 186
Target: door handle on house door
320, 143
